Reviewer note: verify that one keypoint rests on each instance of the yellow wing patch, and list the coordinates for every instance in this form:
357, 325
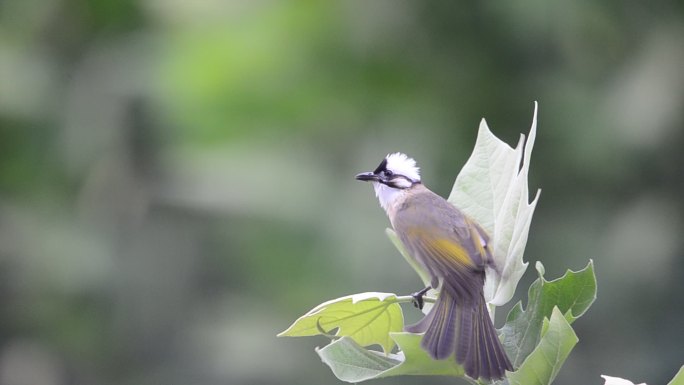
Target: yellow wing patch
441, 250
453, 251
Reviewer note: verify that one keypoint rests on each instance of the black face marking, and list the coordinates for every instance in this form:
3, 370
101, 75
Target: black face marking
381, 167
389, 178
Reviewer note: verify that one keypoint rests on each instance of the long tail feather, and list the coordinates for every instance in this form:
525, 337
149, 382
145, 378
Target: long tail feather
467, 331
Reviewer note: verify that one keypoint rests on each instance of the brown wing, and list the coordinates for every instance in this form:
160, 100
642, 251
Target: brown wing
450, 246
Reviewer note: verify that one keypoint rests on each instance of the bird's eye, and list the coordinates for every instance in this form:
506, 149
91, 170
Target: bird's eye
388, 173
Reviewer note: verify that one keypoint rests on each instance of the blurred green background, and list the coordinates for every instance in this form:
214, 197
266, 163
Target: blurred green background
176, 177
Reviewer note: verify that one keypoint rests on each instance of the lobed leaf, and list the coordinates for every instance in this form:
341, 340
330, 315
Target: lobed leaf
572, 294
352, 363
492, 189
543, 364
367, 318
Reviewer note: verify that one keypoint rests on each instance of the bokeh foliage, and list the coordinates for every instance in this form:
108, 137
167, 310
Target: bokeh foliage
176, 177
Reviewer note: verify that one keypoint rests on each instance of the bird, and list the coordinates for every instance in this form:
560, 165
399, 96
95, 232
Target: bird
454, 250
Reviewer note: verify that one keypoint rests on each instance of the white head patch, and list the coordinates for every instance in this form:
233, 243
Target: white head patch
401, 164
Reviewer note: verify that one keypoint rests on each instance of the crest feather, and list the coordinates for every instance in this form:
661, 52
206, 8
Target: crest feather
400, 163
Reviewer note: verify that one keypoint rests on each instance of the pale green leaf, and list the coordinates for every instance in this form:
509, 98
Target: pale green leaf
367, 318
535, 339
573, 294
353, 363
418, 362
678, 379
422, 273
492, 189
543, 364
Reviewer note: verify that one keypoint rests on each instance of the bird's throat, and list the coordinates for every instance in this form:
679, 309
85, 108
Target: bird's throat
389, 197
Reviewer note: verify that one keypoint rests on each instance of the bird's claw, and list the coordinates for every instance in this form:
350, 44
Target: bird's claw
418, 297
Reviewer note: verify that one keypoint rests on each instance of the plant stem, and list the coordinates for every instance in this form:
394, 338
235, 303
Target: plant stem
409, 298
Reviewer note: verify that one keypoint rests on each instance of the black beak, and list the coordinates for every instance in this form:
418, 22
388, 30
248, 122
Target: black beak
367, 177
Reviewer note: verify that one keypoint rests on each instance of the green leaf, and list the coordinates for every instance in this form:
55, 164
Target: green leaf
543, 364
353, 363
422, 273
492, 189
678, 379
573, 294
418, 362
538, 339
367, 318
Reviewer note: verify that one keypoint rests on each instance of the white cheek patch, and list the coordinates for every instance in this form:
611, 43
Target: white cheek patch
386, 195
401, 183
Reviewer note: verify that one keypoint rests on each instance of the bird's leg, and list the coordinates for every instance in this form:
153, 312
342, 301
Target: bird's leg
418, 297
